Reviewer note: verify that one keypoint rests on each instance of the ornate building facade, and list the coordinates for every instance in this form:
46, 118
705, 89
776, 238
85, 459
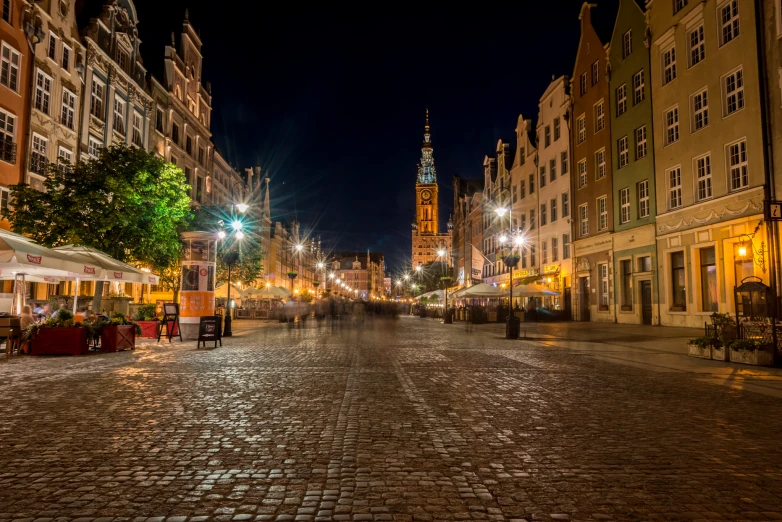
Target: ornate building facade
427, 238
364, 277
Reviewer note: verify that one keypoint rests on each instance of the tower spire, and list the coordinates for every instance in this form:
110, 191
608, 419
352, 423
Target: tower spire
426, 170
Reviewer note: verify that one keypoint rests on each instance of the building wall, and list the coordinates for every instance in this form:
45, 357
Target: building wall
590, 91
526, 204
14, 103
706, 225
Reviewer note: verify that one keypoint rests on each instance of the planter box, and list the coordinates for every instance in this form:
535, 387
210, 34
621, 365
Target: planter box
60, 341
720, 354
148, 328
116, 338
696, 351
759, 357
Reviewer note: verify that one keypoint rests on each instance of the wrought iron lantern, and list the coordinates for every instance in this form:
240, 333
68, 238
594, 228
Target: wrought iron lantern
754, 299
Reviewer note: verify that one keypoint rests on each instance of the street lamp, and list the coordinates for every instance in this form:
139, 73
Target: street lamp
229, 259
242, 207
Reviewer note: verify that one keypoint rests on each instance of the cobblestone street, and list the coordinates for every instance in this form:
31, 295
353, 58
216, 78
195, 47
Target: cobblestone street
402, 420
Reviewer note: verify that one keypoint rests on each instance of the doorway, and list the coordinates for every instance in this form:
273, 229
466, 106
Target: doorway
568, 304
583, 298
646, 302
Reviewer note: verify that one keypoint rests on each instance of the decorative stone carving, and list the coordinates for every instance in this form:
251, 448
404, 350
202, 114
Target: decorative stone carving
583, 264
713, 215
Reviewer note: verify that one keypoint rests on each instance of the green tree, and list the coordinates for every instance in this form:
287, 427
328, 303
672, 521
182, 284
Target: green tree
431, 273
127, 202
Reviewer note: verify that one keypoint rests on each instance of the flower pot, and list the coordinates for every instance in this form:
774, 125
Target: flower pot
759, 357
114, 338
148, 328
696, 351
511, 261
720, 354
60, 341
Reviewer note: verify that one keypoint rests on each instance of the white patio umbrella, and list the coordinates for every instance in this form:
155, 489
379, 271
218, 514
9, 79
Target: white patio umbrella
532, 290
483, 290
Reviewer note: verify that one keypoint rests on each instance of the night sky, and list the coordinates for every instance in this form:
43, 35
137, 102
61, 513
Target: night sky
331, 102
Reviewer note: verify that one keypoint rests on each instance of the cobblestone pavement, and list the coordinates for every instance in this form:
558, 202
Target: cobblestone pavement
406, 420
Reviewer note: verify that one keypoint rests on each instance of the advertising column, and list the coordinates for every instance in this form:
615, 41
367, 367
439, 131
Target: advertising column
197, 295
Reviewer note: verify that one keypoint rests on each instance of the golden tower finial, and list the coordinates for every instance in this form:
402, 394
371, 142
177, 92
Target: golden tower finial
427, 120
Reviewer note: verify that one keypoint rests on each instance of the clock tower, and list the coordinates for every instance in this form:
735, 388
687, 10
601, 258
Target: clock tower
427, 239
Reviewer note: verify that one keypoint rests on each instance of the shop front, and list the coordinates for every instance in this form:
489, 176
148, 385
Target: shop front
593, 280
635, 291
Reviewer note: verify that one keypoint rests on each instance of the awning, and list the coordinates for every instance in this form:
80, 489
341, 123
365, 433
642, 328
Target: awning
20, 255
532, 290
483, 291
110, 269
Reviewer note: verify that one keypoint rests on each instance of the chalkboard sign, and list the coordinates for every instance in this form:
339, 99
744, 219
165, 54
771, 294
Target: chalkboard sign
170, 321
209, 330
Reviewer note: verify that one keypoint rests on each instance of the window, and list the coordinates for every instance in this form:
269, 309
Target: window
600, 116
556, 128
199, 183
137, 124
733, 86
552, 169
96, 98
553, 209
623, 150
547, 136
122, 59
737, 165
68, 108
582, 129
602, 211
554, 250
674, 188
7, 137
522, 195
640, 142
697, 46
643, 199
4, 197
621, 99
188, 178
515, 194
119, 115
543, 220
7, 11
565, 246
602, 271
595, 73
532, 219
52, 49
532, 261
64, 154
544, 252
173, 160
703, 175
671, 123
523, 222
531, 184
9, 67
626, 271
542, 176
678, 5
709, 279
700, 110
201, 155
600, 164
729, 21
583, 84
66, 57
582, 173
522, 156
564, 162
159, 120
645, 264
565, 204
583, 220
638, 88
175, 133
38, 160
669, 65
627, 44
43, 91
678, 286
189, 145
94, 146
624, 200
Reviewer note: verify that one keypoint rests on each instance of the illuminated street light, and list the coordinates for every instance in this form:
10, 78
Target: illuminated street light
320, 265
441, 253
399, 282
501, 211
519, 240
240, 235
221, 234
299, 247
331, 276
237, 225
242, 207
418, 268
503, 239
407, 277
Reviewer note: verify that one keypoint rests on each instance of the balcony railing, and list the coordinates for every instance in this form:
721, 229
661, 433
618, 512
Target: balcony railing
8, 151
38, 163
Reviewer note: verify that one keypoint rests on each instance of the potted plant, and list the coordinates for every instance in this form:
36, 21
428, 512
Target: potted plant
117, 334
719, 350
146, 318
59, 335
700, 347
512, 259
750, 351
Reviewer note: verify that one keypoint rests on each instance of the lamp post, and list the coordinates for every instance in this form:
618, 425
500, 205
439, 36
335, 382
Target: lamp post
229, 259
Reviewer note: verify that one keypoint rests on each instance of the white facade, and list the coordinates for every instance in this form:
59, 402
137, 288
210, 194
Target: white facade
524, 196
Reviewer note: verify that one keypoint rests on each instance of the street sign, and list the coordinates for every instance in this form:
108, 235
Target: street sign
774, 210
209, 330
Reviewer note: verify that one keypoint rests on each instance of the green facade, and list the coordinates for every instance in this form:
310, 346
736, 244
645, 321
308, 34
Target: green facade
623, 70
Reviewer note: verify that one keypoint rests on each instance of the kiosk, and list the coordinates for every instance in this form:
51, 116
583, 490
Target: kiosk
197, 295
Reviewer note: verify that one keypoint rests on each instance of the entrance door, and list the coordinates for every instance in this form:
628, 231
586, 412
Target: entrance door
646, 302
568, 304
583, 298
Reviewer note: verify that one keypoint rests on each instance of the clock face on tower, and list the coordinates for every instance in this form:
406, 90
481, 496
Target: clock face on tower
426, 195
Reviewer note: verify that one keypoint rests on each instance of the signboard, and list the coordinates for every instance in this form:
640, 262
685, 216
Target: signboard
773, 210
170, 308
209, 330
170, 321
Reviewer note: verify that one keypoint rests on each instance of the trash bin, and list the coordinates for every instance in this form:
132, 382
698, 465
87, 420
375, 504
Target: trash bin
448, 317
512, 327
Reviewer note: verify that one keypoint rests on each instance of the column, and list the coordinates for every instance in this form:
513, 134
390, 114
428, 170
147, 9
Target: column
197, 294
